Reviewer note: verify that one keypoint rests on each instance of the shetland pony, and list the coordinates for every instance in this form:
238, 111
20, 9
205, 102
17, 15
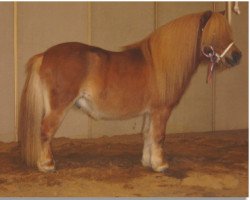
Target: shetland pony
146, 78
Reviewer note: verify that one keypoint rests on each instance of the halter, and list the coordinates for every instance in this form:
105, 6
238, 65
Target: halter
214, 59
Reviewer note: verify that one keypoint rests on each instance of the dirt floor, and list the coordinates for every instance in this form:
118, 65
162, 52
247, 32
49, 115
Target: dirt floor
201, 164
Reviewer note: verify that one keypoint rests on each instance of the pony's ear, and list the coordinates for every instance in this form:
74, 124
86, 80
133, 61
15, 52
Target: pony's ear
204, 18
222, 12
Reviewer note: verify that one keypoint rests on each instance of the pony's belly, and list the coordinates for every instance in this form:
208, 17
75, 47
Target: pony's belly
87, 106
105, 110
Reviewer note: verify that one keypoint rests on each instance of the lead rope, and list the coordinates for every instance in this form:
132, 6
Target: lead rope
214, 59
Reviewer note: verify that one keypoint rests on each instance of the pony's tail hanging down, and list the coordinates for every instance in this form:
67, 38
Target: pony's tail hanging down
31, 113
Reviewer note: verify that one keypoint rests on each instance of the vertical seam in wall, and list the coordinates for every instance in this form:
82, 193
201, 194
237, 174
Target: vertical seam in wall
155, 15
229, 11
89, 134
214, 90
214, 7
16, 108
89, 23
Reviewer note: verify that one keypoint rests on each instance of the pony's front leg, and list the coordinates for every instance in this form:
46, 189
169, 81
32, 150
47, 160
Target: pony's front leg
153, 152
50, 123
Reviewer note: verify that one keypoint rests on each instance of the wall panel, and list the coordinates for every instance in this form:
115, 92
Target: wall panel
6, 73
231, 111
117, 24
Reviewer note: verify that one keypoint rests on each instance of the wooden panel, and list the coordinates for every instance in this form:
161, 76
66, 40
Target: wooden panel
115, 25
6, 73
194, 112
41, 25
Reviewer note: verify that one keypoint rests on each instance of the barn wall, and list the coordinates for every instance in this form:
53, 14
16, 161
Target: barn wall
204, 107
231, 91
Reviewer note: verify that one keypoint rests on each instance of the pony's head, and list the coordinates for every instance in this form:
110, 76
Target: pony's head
217, 40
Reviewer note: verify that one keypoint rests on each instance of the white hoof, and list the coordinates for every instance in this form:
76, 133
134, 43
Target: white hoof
146, 163
160, 168
48, 166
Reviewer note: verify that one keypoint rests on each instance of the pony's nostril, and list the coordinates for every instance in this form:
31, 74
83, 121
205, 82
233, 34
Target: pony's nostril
236, 55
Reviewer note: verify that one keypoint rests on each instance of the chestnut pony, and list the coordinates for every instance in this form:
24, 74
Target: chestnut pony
147, 78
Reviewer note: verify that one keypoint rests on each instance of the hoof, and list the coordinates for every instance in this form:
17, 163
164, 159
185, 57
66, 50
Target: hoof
46, 166
145, 163
161, 168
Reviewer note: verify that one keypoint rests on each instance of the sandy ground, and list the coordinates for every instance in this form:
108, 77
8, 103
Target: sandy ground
201, 164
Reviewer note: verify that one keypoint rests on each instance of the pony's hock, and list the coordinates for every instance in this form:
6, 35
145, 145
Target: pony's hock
146, 78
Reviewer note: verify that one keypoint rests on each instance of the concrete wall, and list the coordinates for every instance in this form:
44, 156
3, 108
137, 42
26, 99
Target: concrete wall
204, 107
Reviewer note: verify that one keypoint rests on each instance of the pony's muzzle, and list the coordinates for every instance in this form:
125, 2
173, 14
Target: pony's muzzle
236, 55
234, 59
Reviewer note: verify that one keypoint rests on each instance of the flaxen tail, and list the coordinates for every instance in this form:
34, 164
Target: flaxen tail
31, 113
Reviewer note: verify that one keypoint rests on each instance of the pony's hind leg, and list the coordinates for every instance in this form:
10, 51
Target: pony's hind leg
56, 107
49, 126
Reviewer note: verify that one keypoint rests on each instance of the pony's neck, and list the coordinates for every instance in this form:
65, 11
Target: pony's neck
174, 52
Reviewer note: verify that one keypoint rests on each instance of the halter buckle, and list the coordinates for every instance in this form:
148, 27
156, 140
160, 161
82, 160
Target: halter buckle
212, 55
214, 58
